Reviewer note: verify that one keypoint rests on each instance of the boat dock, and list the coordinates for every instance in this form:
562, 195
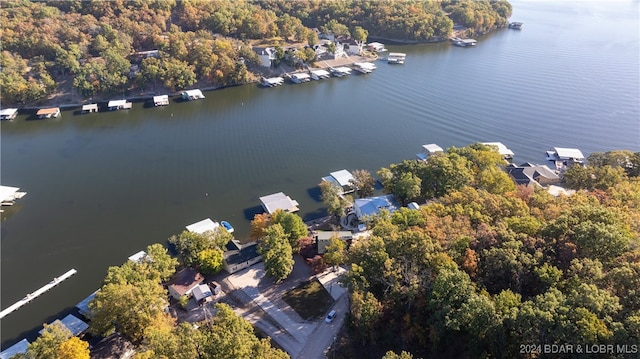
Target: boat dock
396, 58
31, 296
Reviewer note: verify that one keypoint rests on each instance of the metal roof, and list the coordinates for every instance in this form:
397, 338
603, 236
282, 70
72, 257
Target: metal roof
343, 177
203, 226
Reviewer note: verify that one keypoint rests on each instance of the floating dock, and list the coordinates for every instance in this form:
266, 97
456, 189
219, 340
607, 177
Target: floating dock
31, 296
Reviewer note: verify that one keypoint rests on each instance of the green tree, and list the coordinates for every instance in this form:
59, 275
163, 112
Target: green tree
366, 311
292, 224
190, 244
73, 348
49, 342
210, 261
407, 188
363, 182
331, 195
276, 252
393, 355
312, 38
360, 35
335, 253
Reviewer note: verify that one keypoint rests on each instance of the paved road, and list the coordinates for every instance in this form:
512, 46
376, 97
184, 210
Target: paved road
322, 338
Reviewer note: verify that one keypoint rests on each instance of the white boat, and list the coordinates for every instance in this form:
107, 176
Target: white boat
340, 71
319, 74
364, 67
272, 81
300, 77
396, 57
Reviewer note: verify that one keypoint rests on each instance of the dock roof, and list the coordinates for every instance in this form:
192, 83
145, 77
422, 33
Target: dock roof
18, 348
7, 193
502, 149
320, 72
273, 202
83, 306
73, 323
567, 153
137, 257
161, 100
6, 112
48, 111
203, 226
342, 177
116, 103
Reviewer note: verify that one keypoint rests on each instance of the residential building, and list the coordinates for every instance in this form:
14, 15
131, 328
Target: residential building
184, 282
532, 175
238, 257
371, 206
322, 238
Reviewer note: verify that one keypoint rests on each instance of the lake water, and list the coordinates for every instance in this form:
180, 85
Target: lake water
104, 186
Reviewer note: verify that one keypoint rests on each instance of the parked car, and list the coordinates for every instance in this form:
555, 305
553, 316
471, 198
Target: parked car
330, 316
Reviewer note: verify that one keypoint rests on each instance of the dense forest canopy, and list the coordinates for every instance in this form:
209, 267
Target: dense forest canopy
92, 45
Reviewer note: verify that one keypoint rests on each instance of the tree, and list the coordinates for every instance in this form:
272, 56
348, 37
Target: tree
73, 348
48, 343
334, 252
331, 195
365, 314
210, 261
292, 224
259, 223
393, 355
363, 182
407, 187
190, 244
276, 252
312, 38
360, 36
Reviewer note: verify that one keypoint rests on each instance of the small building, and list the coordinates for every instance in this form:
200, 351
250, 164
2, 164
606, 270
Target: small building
8, 113
119, 105
322, 238
243, 256
75, 325
202, 293
276, 201
532, 175
184, 282
191, 95
203, 226
162, 100
428, 151
83, 306
90, 108
502, 149
266, 55
371, 206
18, 348
50, 112
343, 179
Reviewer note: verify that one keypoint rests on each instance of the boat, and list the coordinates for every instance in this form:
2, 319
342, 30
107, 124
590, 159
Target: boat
364, 67
227, 226
515, 25
463, 42
396, 58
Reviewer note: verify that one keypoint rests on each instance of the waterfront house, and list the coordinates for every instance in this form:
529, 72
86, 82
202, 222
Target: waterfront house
322, 238
342, 179
50, 112
8, 113
83, 306
183, 282
428, 151
162, 100
191, 95
531, 175
502, 149
371, 206
75, 325
276, 201
238, 257
90, 108
119, 105
203, 226
266, 55
18, 348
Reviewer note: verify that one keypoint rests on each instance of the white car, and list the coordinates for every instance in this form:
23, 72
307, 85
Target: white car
330, 316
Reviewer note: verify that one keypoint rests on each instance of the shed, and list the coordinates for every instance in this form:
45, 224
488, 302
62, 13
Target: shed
8, 113
48, 112
89, 108
203, 226
18, 348
276, 201
162, 100
184, 282
202, 292
73, 323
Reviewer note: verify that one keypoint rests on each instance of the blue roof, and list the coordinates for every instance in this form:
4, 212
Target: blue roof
73, 323
371, 206
83, 306
18, 348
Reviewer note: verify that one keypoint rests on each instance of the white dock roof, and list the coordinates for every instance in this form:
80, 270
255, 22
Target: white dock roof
397, 54
342, 177
273, 202
7, 193
432, 148
301, 75
8, 111
502, 149
161, 100
320, 72
343, 69
18, 348
89, 107
203, 226
194, 93
566, 153
138, 256
116, 103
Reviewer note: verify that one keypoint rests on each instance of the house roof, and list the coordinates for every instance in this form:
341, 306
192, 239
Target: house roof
203, 226
47, 111
371, 206
528, 173
279, 200
326, 235
73, 323
202, 291
247, 253
185, 280
18, 348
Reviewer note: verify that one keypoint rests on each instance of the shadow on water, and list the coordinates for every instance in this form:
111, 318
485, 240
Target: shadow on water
33, 334
249, 213
319, 213
315, 193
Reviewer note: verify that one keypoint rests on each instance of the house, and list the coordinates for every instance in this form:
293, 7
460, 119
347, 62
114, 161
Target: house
429, 150
529, 174
75, 325
8, 113
48, 112
238, 257
371, 206
184, 282
502, 149
18, 348
322, 238
203, 226
83, 306
162, 100
191, 95
276, 201
119, 105
342, 179
202, 293
90, 108
266, 55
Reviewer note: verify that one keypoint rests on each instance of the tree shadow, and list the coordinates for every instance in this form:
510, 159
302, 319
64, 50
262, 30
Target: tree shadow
249, 213
315, 193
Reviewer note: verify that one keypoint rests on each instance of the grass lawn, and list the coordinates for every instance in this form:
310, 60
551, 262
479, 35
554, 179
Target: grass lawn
310, 300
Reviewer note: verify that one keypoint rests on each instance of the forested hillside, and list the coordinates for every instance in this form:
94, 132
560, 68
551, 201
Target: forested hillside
487, 267
89, 47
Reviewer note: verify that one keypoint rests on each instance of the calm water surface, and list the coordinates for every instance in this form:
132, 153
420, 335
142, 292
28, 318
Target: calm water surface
104, 186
